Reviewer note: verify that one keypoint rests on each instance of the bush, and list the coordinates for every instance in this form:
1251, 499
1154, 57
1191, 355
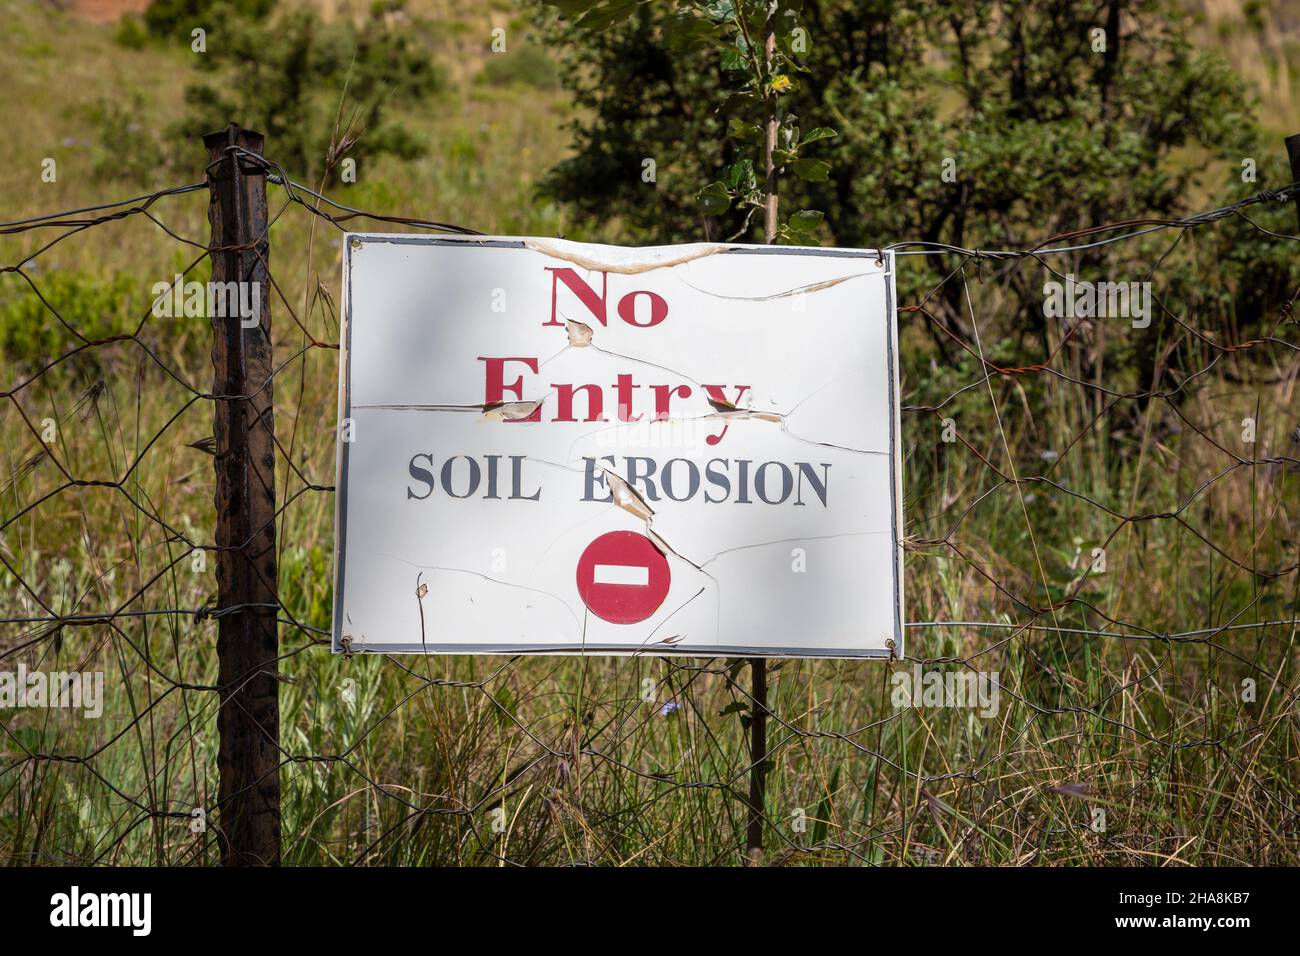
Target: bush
172, 19
318, 91
131, 32
528, 66
31, 334
123, 149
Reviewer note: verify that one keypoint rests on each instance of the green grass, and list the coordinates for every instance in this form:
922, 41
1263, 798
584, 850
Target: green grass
564, 755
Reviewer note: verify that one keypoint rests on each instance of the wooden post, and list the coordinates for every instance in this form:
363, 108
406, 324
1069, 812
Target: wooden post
758, 760
758, 665
248, 722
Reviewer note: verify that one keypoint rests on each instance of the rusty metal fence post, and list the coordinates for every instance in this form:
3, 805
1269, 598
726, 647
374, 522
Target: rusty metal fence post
248, 758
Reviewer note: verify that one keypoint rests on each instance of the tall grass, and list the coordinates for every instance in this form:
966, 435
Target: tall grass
493, 761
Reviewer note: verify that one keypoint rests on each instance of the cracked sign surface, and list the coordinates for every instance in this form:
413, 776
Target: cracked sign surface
548, 446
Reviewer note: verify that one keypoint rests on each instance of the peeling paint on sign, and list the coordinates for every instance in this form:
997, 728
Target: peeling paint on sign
570, 448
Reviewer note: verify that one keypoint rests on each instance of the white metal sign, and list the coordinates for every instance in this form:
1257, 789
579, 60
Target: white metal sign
547, 446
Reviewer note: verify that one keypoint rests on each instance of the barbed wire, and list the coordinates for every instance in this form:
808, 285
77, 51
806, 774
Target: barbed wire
1046, 247
608, 777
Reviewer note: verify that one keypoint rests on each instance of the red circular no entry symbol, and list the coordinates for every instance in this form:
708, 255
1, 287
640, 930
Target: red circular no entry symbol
622, 577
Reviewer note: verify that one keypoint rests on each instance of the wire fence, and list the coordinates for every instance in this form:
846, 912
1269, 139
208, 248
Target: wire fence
1112, 562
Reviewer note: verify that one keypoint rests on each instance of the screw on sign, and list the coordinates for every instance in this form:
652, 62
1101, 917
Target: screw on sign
623, 577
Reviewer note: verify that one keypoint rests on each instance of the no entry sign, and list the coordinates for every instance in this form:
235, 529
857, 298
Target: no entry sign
548, 446
622, 577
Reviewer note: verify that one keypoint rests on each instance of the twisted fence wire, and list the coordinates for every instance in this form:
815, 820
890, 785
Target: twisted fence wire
624, 761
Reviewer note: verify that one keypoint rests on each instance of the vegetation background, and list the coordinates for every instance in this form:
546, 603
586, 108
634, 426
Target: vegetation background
548, 138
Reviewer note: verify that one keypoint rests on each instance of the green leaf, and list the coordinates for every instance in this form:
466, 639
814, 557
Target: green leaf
714, 199
685, 31
741, 175
572, 8
719, 10
811, 170
608, 14
820, 133
744, 132
733, 61
801, 228
740, 101
807, 219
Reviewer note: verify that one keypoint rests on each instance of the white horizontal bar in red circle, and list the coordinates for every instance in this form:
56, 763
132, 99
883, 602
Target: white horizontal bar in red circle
629, 574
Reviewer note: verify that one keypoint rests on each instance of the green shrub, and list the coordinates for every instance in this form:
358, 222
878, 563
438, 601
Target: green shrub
175, 19
123, 148
31, 334
527, 66
318, 91
131, 32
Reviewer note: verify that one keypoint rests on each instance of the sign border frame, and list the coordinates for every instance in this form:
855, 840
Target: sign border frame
354, 240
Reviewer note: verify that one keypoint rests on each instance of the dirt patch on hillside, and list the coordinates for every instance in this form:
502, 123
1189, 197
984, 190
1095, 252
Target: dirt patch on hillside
105, 11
